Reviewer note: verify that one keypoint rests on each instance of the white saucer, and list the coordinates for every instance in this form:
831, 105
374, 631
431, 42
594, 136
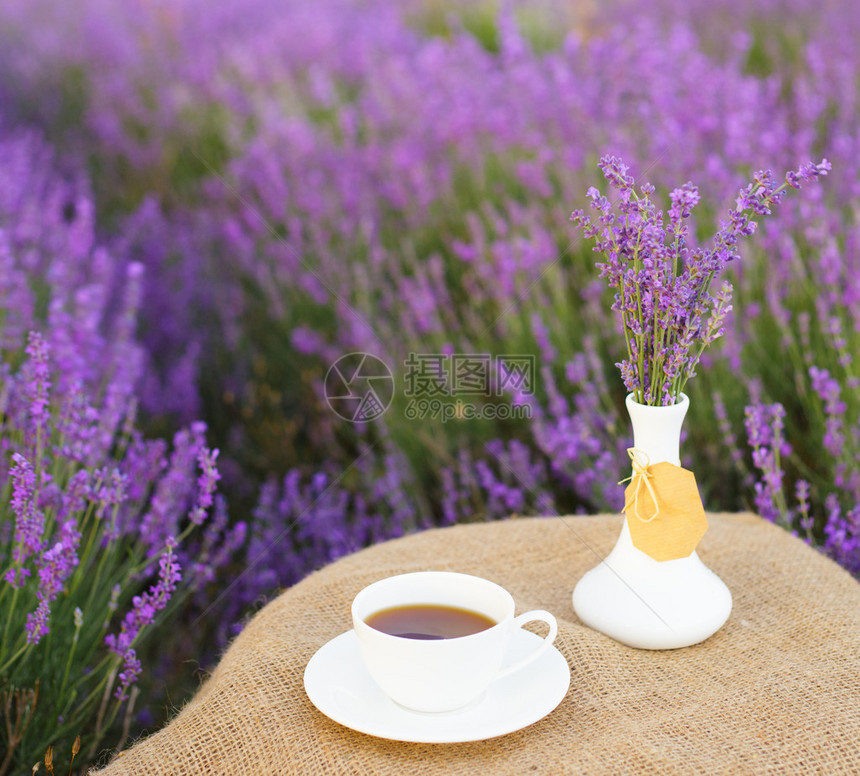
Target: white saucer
339, 685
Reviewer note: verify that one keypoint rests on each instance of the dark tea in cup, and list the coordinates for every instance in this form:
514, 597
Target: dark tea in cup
429, 621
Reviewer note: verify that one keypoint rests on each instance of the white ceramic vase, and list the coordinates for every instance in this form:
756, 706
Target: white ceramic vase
637, 600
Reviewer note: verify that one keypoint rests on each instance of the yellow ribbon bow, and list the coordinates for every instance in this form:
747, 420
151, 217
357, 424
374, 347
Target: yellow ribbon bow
640, 476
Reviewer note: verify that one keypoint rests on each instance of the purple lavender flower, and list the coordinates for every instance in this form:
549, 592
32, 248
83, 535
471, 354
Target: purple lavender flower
55, 565
206, 484
143, 612
29, 519
38, 385
176, 489
765, 426
37, 622
829, 391
663, 288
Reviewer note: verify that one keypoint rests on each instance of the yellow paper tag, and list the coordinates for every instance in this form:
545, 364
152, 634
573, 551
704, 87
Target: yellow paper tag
672, 527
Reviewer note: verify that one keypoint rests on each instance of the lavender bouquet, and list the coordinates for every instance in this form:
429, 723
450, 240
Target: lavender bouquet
669, 310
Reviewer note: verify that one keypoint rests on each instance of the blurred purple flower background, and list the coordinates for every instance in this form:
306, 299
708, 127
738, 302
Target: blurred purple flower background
204, 205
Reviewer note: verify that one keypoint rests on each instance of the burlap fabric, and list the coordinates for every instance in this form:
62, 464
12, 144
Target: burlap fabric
777, 690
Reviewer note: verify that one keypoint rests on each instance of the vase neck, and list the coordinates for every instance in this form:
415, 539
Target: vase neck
657, 430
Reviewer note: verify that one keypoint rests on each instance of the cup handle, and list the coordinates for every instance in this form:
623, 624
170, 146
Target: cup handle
536, 615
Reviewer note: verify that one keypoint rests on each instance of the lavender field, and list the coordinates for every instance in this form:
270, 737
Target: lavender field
204, 205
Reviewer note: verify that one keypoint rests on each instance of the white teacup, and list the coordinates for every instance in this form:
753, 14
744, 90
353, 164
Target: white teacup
444, 674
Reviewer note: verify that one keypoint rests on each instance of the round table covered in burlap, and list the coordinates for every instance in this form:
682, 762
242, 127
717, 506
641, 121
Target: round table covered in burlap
776, 690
